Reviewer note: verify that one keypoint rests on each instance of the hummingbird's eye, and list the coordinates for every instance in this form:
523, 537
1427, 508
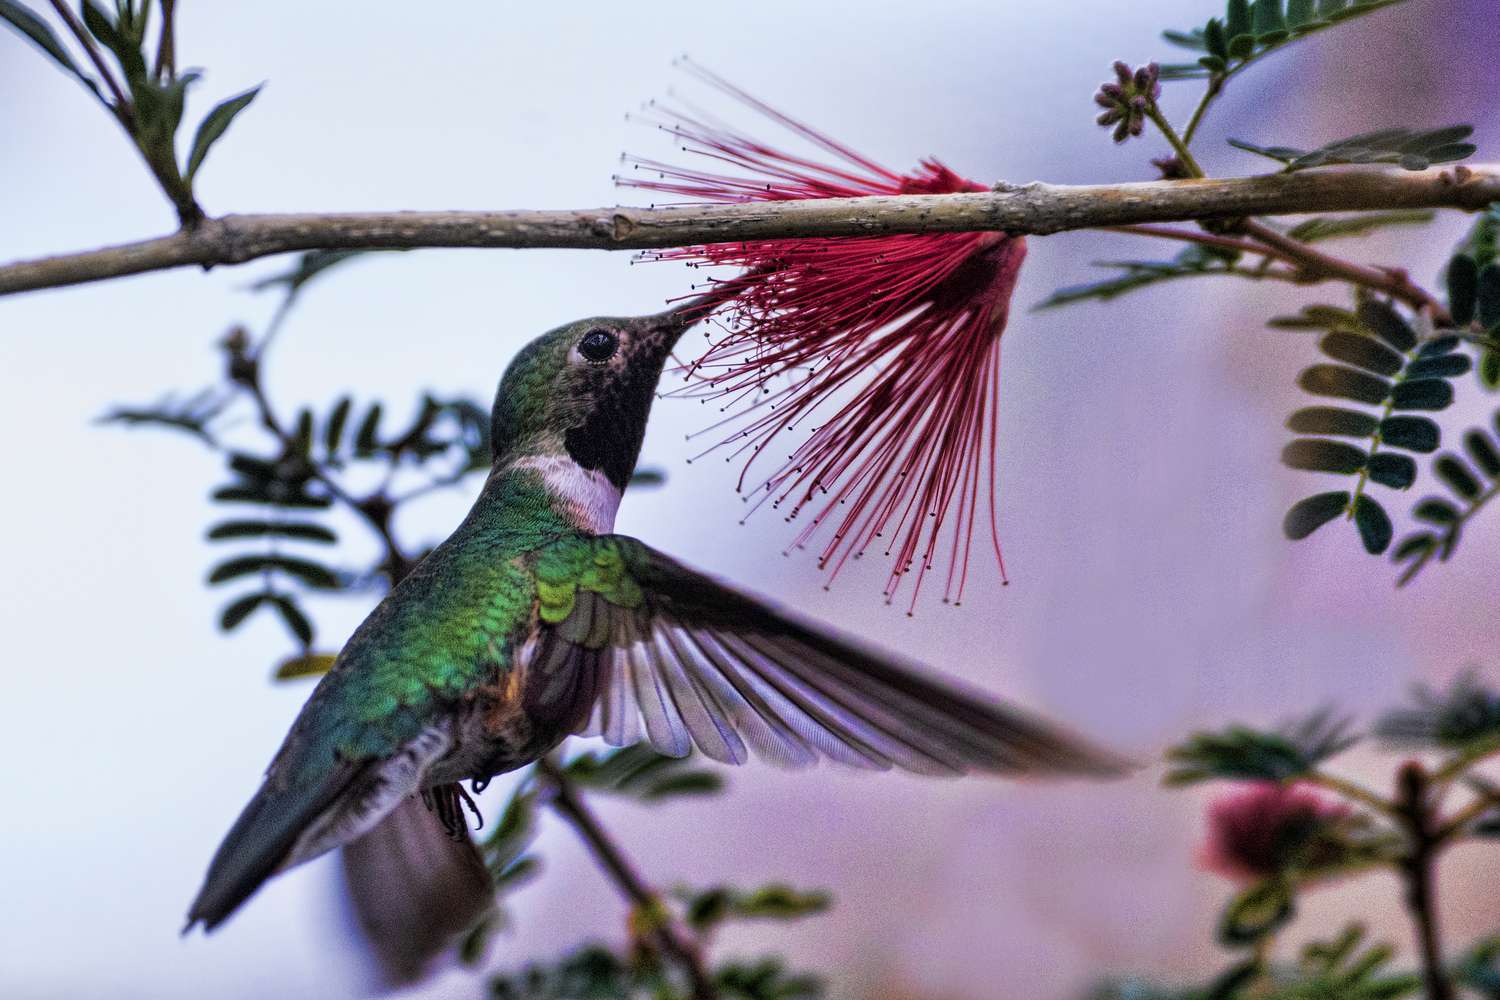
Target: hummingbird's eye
598, 346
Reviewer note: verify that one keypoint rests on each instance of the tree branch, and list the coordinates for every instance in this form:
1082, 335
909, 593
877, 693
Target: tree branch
1036, 208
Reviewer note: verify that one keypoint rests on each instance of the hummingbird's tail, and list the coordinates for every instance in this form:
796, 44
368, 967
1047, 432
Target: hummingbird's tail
261, 841
414, 887
313, 800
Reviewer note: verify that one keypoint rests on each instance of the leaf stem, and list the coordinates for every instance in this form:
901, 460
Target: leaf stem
122, 109
1215, 85
166, 48
1455, 824
1165, 127
1390, 281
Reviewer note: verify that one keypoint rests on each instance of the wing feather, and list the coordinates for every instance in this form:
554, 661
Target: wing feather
690, 662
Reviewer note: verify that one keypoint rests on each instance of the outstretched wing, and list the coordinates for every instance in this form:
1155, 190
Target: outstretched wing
683, 660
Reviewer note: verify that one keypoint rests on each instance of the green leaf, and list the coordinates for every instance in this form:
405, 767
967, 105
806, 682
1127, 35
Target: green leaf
1307, 516
313, 264
1215, 41
1318, 317
1344, 383
1442, 366
304, 665
1410, 148
158, 112
195, 415
309, 573
1437, 346
1373, 523
1436, 510
365, 441
240, 608
1411, 433
1326, 227
1254, 30
1387, 324
707, 909
1422, 394
1462, 278
100, 26
251, 467
1489, 369
33, 27
300, 530
1488, 302
333, 431
1256, 912
1332, 420
1463, 717
1459, 477
640, 772
1482, 452
1419, 543
302, 433
214, 124
1393, 470
1237, 18
1362, 352
1299, 12
1318, 455
296, 621
1416, 550
1239, 753
1186, 39
1267, 18
261, 493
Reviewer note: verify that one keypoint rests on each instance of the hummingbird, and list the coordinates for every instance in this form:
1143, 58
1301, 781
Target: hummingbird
533, 621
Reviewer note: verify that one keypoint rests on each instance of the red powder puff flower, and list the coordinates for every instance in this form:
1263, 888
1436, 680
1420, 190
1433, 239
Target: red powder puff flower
884, 350
1268, 828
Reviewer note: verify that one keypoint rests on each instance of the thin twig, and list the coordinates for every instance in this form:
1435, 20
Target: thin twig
166, 46
1215, 86
1395, 283
670, 935
1035, 208
1198, 236
1184, 156
1460, 820
122, 108
1352, 790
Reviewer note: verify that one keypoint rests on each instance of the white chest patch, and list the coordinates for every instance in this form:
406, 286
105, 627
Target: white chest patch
588, 494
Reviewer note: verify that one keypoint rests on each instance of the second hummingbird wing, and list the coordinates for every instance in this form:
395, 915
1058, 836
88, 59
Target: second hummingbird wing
684, 660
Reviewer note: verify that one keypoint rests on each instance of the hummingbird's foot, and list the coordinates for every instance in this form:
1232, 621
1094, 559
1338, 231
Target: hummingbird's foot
448, 803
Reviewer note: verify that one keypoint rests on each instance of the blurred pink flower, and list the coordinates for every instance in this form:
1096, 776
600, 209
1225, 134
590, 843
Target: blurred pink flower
1267, 827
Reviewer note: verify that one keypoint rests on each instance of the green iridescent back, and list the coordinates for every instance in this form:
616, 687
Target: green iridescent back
448, 627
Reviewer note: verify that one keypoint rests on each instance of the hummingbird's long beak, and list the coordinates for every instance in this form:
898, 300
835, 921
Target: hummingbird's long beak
676, 321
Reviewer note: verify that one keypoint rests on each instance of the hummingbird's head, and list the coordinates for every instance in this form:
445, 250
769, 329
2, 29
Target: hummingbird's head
583, 392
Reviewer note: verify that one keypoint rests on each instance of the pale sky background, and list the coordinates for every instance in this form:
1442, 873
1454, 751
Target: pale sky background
1141, 494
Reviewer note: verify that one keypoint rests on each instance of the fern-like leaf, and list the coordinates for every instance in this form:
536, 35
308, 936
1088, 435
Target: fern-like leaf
1408, 148
1473, 479
1381, 363
1248, 31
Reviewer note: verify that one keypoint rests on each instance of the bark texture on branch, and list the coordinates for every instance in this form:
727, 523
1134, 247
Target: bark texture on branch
1035, 208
